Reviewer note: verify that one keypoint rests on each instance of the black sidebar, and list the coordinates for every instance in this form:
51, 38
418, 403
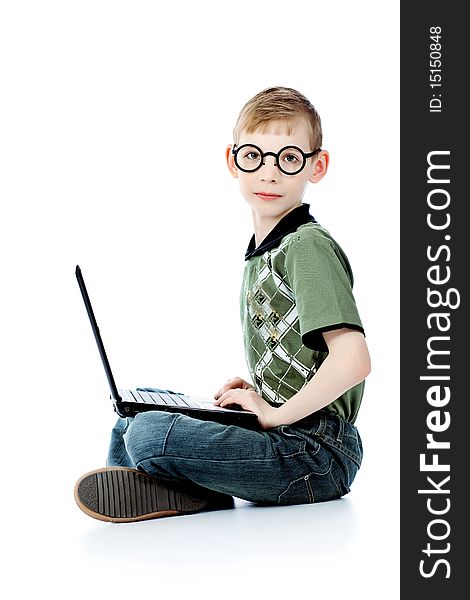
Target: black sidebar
435, 352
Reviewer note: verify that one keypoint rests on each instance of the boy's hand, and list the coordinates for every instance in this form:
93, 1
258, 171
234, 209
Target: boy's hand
235, 382
248, 399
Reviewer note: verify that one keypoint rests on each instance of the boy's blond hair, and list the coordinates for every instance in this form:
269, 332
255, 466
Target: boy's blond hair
278, 104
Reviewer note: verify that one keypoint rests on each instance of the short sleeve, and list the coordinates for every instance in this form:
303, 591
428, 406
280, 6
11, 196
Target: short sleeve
321, 279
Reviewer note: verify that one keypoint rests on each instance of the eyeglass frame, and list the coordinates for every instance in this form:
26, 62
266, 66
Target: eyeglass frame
277, 156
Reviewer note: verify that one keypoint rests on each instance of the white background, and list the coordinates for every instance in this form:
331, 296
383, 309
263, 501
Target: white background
114, 121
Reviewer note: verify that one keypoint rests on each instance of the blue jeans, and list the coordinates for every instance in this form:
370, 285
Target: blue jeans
313, 460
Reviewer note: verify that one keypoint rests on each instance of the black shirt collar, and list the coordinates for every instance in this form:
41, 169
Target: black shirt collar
288, 224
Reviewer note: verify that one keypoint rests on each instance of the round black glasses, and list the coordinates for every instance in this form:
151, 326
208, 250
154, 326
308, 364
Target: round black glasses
290, 160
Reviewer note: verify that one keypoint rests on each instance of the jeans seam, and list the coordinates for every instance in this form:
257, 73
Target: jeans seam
352, 456
226, 460
340, 448
339, 437
167, 434
334, 481
311, 495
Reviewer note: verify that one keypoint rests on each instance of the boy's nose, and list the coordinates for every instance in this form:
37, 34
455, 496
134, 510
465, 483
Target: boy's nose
269, 170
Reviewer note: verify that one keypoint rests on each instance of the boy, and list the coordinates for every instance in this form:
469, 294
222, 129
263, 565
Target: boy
304, 345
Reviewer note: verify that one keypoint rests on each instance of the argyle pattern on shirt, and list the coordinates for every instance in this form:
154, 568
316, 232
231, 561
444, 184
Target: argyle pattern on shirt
279, 363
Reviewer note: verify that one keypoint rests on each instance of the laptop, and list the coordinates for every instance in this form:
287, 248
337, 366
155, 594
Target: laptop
128, 403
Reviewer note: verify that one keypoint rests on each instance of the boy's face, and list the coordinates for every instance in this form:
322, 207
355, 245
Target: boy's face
271, 193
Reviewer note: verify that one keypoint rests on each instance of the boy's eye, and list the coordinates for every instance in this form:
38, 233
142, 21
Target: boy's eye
291, 158
252, 155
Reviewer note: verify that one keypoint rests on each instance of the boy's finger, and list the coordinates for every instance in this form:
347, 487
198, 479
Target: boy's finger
218, 397
228, 386
220, 392
223, 397
232, 384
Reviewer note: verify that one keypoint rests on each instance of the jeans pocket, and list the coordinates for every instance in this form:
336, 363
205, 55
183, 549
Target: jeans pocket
298, 491
286, 442
313, 487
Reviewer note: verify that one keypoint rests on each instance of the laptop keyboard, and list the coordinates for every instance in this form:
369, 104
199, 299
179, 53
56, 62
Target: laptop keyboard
161, 398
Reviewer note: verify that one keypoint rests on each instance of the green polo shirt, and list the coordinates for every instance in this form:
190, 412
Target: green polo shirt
297, 284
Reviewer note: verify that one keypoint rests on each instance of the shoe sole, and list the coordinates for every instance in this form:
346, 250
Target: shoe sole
121, 495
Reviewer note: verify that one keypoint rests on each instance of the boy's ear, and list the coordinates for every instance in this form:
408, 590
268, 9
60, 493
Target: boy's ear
321, 167
231, 161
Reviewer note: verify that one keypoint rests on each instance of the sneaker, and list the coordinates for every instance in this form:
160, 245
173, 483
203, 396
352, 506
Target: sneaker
124, 495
